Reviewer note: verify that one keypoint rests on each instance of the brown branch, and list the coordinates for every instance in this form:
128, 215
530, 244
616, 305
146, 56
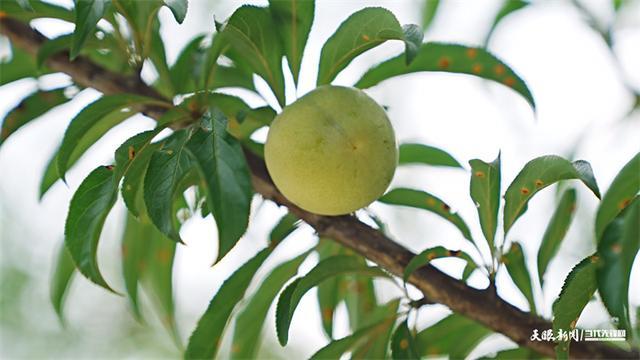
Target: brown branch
483, 306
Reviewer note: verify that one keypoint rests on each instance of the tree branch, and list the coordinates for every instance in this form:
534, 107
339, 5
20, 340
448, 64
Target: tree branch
482, 306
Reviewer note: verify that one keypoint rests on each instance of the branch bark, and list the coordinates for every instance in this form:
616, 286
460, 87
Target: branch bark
483, 306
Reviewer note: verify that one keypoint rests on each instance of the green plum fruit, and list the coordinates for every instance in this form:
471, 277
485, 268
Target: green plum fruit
333, 151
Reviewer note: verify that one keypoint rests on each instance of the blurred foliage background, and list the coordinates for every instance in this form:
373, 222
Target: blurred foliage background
579, 58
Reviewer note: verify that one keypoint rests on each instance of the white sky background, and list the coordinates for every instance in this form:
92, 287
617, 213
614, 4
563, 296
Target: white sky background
575, 82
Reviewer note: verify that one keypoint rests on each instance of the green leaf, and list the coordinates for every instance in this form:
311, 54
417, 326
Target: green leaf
429, 11
293, 19
618, 248
134, 252
437, 252
362, 31
243, 120
578, 288
485, 191
87, 14
287, 224
359, 297
336, 348
538, 174
291, 296
205, 339
39, 9
61, 280
381, 321
51, 174
376, 346
30, 108
94, 121
133, 179
449, 58
423, 200
167, 167
619, 195
250, 322
18, 66
556, 231
157, 276
427, 155
223, 168
403, 343
187, 70
250, 32
443, 338
104, 51
329, 294
89, 208
508, 7
178, 9
514, 259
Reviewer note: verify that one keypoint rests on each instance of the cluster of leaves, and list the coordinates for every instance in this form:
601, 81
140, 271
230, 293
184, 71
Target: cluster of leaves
199, 145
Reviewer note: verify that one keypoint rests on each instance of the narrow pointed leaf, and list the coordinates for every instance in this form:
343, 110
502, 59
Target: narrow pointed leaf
578, 288
437, 252
287, 224
87, 14
249, 322
362, 31
167, 167
443, 338
250, 32
187, 69
224, 170
381, 323
96, 119
290, 298
178, 9
293, 19
133, 180
485, 191
89, 208
449, 58
132, 160
514, 259
39, 9
427, 155
134, 246
157, 276
403, 343
618, 248
508, 7
205, 339
61, 280
376, 344
538, 174
329, 294
423, 200
429, 11
359, 297
556, 231
29, 109
51, 174
624, 187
